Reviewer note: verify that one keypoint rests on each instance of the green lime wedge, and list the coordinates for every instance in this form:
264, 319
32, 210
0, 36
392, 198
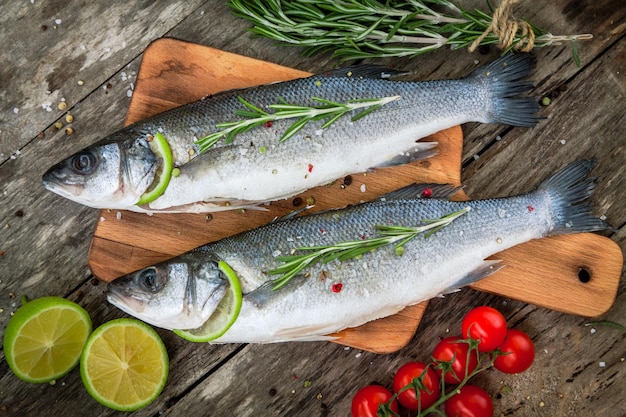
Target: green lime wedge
45, 337
224, 315
124, 365
160, 147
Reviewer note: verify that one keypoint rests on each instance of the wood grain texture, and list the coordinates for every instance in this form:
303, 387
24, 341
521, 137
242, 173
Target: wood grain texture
44, 239
174, 73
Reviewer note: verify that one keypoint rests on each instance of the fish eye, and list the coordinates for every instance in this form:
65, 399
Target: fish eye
149, 279
83, 163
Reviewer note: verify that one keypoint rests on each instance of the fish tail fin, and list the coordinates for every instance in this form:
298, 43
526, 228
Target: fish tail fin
504, 79
569, 191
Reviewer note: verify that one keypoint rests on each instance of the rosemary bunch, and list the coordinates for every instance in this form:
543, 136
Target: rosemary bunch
357, 29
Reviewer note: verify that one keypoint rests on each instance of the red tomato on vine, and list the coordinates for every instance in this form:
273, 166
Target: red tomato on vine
428, 385
470, 401
485, 324
462, 364
367, 402
518, 353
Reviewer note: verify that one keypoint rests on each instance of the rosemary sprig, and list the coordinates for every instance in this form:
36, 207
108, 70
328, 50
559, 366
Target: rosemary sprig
253, 116
399, 235
357, 29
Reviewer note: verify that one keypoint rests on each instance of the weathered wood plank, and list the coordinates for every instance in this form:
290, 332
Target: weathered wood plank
51, 47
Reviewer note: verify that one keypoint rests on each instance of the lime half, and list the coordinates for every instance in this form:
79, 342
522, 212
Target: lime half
224, 315
160, 147
45, 337
124, 365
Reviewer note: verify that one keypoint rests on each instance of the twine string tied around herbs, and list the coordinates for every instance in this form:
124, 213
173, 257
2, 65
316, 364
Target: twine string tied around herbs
506, 27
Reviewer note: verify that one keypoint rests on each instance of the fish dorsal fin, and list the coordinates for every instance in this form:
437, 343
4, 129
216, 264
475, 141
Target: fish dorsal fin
365, 71
411, 191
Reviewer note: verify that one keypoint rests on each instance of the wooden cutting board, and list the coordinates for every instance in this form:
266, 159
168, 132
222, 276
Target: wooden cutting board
545, 272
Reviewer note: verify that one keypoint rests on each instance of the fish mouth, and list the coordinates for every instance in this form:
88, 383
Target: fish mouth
58, 186
123, 301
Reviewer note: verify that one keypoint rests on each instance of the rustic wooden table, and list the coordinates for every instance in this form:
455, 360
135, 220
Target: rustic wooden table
87, 54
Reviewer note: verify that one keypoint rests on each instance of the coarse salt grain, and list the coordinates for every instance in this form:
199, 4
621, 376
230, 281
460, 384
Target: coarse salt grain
602, 364
16, 110
58, 21
592, 331
562, 141
129, 93
118, 215
363, 188
358, 355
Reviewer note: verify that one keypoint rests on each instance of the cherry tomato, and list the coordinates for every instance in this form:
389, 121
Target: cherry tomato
520, 353
470, 401
428, 392
485, 324
367, 402
450, 348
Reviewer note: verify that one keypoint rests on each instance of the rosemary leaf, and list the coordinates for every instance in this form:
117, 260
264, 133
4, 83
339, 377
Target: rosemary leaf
294, 128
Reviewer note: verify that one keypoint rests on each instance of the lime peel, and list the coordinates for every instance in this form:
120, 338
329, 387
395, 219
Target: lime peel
160, 147
225, 314
44, 339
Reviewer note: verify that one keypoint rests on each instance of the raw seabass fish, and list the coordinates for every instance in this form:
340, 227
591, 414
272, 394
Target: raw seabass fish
326, 298
255, 167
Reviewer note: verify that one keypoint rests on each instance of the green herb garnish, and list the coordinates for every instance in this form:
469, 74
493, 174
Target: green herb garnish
253, 116
358, 29
398, 235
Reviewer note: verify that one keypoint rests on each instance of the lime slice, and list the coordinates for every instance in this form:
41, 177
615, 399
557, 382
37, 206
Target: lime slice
45, 337
160, 147
224, 315
124, 365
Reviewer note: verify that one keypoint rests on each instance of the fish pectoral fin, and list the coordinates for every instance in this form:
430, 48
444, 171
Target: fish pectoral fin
260, 295
412, 191
484, 270
422, 150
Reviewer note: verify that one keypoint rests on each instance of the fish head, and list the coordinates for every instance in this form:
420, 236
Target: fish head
111, 174
181, 293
